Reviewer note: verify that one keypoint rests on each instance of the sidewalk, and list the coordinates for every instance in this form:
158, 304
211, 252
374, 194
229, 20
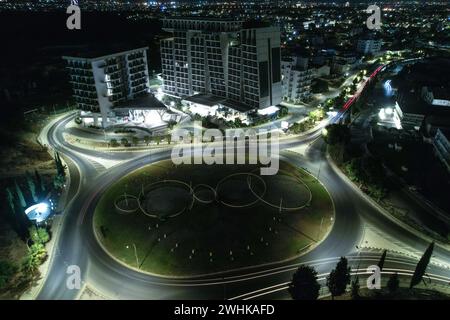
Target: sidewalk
57, 223
383, 210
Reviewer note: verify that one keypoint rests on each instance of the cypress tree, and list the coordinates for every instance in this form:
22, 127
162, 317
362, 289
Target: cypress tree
31, 186
20, 196
381, 262
339, 278
10, 198
422, 266
39, 183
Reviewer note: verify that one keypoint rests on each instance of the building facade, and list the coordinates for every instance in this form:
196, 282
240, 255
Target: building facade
344, 62
223, 58
296, 83
369, 46
102, 83
442, 147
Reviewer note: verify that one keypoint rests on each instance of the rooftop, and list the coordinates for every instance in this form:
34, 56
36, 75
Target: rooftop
146, 102
212, 100
202, 18
90, 53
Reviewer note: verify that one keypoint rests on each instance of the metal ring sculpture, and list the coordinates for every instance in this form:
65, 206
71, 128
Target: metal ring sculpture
249, 175
125, 197
152, 186
281, 207
207, 187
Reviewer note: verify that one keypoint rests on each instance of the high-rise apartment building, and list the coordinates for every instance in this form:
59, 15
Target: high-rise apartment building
224, 58
102, 82
296, 83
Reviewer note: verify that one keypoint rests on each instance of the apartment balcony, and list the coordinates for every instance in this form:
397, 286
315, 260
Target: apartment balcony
138, 82
135, 63
79, 66
111, 69
88, 90
137, 69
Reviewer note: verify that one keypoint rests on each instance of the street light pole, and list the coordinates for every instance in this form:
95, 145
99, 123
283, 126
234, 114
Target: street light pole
135, 254
318, 173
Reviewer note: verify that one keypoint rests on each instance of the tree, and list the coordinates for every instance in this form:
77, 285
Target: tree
147, 139
158, 140
283, 112
304, 284
19, 194
7, 271
422, 266
135, 140
169, 139
39, 182
114, 143
59, 165
36, 255
336, 133
31, 186
381, 262
58, 182
393, 283
355, 289
124, 141
339, 278
238, 122
10, 199
171, 124
38, 235
319, 86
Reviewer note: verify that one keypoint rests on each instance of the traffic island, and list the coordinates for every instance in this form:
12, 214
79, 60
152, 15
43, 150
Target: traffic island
192, 220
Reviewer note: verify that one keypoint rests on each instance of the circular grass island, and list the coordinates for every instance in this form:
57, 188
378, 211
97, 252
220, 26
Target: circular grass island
191, 220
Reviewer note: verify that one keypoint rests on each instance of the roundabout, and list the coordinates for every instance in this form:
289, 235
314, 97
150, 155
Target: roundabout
197, 220
123, 279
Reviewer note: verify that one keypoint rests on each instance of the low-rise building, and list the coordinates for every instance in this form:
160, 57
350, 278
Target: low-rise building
321, 71
344, 62
436, 96
221, 108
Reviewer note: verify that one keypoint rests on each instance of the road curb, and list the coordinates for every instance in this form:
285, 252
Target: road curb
304, 251
383, 211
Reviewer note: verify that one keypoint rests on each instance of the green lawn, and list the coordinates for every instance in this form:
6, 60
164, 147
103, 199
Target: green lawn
213, 237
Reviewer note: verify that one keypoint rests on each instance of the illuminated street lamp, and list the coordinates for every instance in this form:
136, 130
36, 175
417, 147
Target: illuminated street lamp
39, 212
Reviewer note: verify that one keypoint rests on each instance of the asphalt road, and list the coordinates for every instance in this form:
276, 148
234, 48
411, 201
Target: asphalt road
77, 244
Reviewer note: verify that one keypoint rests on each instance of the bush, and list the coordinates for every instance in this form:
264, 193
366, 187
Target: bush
39, 235
35, 257
7, 271
124, 141
283, 112
114, 143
